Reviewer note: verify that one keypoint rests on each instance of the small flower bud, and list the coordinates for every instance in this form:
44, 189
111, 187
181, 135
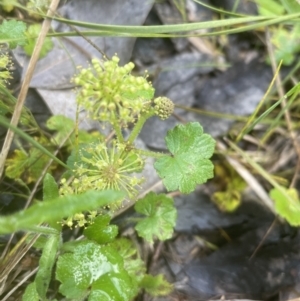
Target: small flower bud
115, 59
163, 107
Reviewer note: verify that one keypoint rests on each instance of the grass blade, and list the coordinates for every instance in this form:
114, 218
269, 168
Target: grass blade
57, 209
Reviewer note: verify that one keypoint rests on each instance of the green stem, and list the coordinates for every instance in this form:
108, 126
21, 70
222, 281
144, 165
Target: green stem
139, 125
149, 153
117, 129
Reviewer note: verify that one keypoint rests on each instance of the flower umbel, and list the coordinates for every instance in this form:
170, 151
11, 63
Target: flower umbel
109, 91
101, 167
5, 63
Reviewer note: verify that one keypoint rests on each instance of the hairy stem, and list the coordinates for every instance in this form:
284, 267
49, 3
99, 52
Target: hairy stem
117, 128
149, 153
139, 125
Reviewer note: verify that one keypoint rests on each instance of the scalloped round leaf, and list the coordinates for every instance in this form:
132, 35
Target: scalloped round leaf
114, 286
125, 248
100, 231
189, 163
156, 285
134, 266
83, 269
31, 34
160, 218
13, 33
287, 204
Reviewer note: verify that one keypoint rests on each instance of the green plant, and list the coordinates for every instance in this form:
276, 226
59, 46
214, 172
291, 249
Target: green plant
101, 175
12, 33
287, 204
16, 33
284, 38
31, 34
231, 185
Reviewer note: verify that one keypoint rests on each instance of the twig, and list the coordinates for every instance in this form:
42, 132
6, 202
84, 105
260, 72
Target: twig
16, 255
5, 251
264, 238
20, 283
25, 86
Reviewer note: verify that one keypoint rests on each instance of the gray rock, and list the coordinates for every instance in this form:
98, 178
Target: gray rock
178, 81
237, 92
53, 73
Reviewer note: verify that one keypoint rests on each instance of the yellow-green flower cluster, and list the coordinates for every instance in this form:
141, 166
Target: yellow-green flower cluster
109, 91
80, 219
100, 167
5, 62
